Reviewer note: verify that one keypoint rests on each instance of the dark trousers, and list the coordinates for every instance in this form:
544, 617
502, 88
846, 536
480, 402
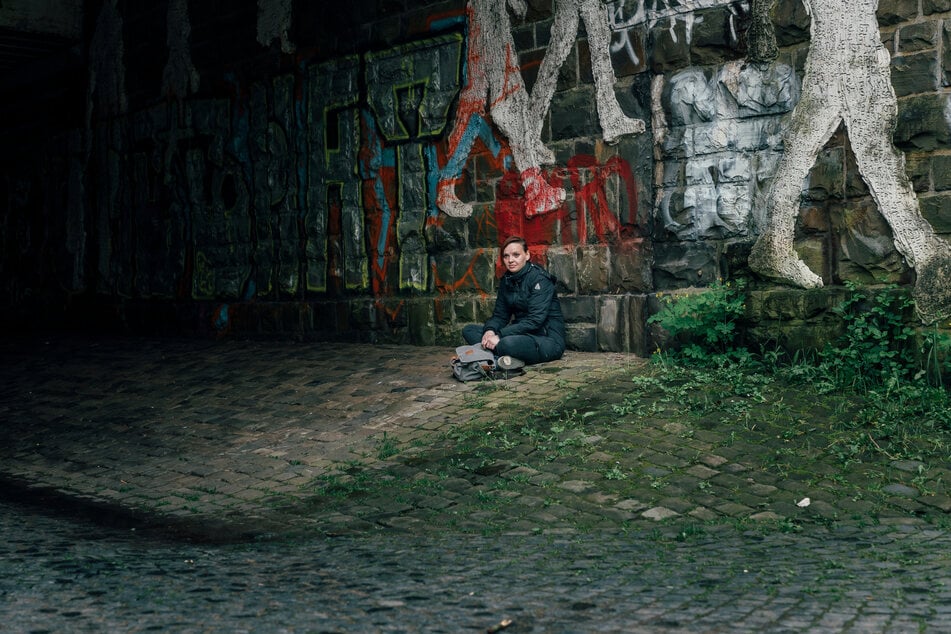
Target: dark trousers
529, 348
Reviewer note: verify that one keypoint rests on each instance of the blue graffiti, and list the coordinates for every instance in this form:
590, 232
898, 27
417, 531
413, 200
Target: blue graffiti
370, 164
477, 128
221, 318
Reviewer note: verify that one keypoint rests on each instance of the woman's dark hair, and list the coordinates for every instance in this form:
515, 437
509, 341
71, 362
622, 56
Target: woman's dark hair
513, 240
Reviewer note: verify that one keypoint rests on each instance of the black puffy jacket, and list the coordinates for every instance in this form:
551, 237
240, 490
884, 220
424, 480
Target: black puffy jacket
527, 304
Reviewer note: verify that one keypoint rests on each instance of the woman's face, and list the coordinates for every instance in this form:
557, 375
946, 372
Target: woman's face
514, 257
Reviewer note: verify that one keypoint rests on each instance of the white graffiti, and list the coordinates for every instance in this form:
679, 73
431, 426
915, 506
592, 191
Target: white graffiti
564, 31
106, 92
847, 80
727, 126
274, 21
180, 78
622, 20
494, 83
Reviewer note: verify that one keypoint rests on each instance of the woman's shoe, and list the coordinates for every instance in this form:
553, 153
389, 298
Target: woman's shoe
510, 363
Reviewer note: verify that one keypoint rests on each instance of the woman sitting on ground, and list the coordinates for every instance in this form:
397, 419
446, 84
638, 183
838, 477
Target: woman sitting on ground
526, 326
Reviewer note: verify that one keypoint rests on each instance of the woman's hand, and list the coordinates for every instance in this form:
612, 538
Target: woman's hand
490, 340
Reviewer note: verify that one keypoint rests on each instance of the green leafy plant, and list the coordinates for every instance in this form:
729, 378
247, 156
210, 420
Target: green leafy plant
935, 350
704, 322
875, 348
386, 448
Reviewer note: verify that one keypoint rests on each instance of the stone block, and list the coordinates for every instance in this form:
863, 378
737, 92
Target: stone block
296, 318
912, 74
571, 114
918, 36
592, 269
941, 172
814, 218
421, 321
676, 216
734, 258
447, 235
476, 271
709, 44
814, 252
827, 176
946, 53
524, 37
921, 123
530, 61
444, 312
622, 324
307, 317
561, 264
929, 7
788, 304
624, 64
445, 272
891, 12
464, 310
919, 167
673, 174
612, 324
937, 211
579, 308
679, 265
329, 316
364, 314
582, 337
865, 249
671, 47
543, 33
631, 266
486, 177
791, 22
656, 338
448, 336
791, 336
891, 270
637, 322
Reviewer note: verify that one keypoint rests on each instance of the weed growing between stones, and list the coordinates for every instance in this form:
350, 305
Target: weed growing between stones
386, 447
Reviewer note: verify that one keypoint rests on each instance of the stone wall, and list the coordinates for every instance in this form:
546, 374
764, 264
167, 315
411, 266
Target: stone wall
274, 169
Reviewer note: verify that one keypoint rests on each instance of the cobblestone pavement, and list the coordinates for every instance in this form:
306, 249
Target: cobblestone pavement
58, 576
264, 444
216, 434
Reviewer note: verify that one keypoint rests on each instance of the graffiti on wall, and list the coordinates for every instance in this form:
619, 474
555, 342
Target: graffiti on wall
180, 77
410, 90
332, 216
625, 15
727, 127
605, 206
330, 179
494, 84
106, 92
274, 21
847, 80
564, 30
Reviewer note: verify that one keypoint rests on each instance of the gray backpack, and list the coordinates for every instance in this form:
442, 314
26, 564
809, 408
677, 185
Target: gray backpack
473, 363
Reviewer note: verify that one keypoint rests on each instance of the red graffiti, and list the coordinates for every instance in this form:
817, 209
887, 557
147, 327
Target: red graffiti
591, 198
467, 280
512, 79
472, 97
379, 216
591, 219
